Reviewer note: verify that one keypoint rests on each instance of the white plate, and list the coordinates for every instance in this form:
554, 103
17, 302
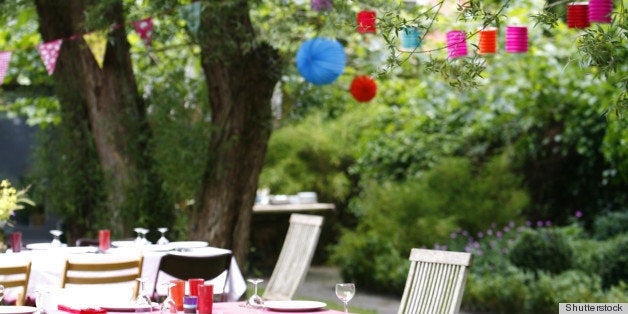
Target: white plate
8, 309
188, 244
159, 247
294, 306
41, 246
123, 243
126, 307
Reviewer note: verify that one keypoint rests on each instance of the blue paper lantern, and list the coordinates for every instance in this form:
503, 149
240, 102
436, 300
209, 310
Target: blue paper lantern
321, 60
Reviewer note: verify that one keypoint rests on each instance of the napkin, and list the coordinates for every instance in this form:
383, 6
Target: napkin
87, 310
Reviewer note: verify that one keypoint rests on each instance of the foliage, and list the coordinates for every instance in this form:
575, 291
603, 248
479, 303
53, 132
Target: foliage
615, 263
542, 249
610, 225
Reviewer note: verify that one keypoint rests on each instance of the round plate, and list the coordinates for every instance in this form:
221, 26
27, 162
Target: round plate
188, 244
294, 306
41, 246
123, 243
9, 309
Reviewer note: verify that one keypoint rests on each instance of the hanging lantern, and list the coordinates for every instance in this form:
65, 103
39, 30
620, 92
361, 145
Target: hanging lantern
321, 60
578, 15
363, 88
456, 44
410, 40
320, 5
600, 11
366, 22
487, 40
517, 39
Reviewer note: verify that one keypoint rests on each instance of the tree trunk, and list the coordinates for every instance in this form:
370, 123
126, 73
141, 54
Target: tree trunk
108, 97
241, 74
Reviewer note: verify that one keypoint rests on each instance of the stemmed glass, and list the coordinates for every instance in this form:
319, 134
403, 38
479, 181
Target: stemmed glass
255, 301
345, 292
143, 232
143, 299
141, 236
162, 240
168, 305
56, 242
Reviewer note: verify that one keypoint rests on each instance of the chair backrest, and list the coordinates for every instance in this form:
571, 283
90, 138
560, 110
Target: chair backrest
94, 273
295, 257
194, 266
435, 282
16, 276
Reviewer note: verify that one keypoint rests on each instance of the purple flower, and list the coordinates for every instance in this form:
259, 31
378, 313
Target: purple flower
467, 249
480, 235
511, 224
539, 223
578, 214
528, 223
465, 233
506, 229
548, 223
479, 252
489, 231
453, 235
499, 234
476, 245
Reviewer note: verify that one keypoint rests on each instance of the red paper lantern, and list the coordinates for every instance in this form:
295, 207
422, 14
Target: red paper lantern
363, 88
366, 22
578, 15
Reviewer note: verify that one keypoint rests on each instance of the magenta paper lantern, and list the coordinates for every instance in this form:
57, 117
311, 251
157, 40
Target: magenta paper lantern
517, 39
456, 44
600, 11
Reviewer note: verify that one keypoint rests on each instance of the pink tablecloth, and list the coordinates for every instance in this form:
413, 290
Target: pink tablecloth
238, 307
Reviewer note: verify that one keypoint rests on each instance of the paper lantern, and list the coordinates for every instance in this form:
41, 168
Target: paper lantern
600, 11
578, 15
410, 40
363, 88
321, 60
487, 40
366, 22
516, 39
456, 44
320, 5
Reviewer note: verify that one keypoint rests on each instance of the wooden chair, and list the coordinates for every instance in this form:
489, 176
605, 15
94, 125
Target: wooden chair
295, 257
435, 282
84, 273
186, 267
16, 276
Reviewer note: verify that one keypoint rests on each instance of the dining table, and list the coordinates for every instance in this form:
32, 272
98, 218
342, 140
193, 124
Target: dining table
47, 265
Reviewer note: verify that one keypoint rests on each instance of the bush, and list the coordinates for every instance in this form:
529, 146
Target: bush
610, 225
542, 249
615, 263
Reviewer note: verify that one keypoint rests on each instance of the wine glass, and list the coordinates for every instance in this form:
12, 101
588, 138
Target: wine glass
56, 242
168, 305
255, 301
143, 299
139, 240
345, 292
162, 240
143, 232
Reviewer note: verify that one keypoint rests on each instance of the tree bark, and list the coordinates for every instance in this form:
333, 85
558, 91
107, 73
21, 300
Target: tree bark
241, 74
109, 98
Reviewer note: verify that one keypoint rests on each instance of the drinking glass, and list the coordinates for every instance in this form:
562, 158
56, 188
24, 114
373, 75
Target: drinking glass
255, 301
56, 241
345, 292
143, 232
162, 240
143, 299
168, 305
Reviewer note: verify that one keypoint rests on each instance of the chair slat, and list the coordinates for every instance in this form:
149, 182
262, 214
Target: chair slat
17, 276
82, 273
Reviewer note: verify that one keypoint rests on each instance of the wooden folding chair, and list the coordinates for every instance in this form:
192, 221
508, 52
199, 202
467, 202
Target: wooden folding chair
94, 273
435, 282
16, 276
295, 257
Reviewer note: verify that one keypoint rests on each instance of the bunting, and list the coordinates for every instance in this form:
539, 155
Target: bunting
97, 43
192, 15
5, 57
145, 29
49, 53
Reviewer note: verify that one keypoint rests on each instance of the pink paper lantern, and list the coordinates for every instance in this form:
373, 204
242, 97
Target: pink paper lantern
517, 39
600, 11
456, 44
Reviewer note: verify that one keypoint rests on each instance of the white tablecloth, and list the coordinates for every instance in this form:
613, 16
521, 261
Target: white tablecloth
47, 267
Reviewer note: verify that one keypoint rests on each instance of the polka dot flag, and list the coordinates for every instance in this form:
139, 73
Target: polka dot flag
97, 43
49, 52
145, 29
5, 57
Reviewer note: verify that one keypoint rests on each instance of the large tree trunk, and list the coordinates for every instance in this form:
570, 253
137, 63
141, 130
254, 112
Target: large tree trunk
108, 97
241, 74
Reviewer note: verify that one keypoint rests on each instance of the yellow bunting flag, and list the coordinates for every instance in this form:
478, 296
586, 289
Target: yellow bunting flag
97, 42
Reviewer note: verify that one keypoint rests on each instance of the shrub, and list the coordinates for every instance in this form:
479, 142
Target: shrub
610, 225
615, 263
542, 249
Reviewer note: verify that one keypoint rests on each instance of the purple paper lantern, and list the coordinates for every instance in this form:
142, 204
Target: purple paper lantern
456, 44
320, 5
517, 39
600, 11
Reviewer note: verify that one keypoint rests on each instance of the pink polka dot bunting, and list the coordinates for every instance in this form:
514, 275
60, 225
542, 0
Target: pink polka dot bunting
5, 57
145, 29
49, 52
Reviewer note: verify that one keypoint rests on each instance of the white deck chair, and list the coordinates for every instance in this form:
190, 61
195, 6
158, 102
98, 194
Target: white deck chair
295, 257
435, 282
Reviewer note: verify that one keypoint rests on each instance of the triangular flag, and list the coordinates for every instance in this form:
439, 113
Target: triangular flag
145, 29
5, 57
191, 13
97, 43
49, 53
